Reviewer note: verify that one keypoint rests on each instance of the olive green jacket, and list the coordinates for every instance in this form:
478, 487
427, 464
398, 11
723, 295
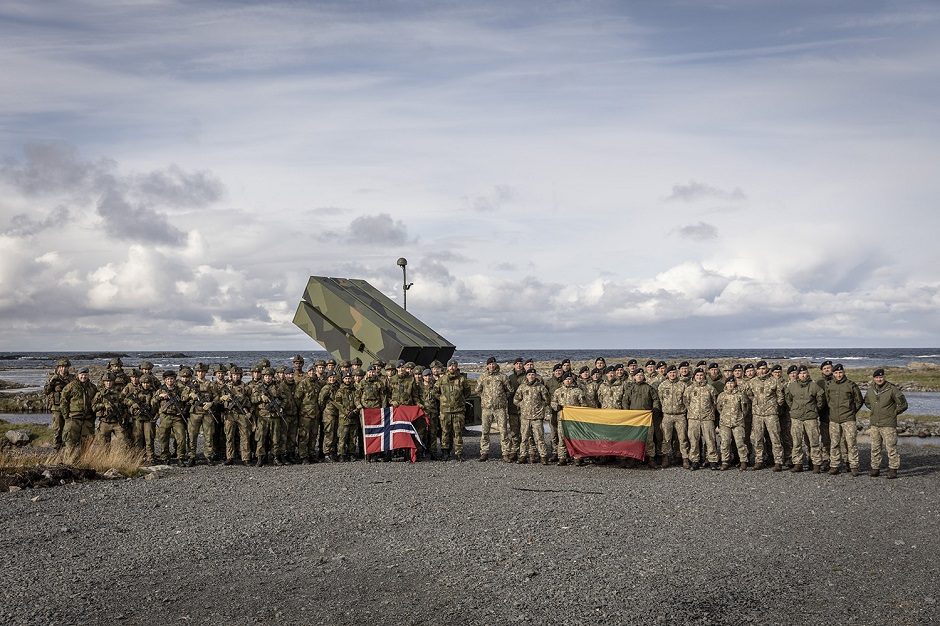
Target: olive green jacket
844, 400
805, 400
886, 403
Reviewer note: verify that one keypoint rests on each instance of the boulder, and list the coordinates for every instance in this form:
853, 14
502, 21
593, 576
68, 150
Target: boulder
113, 474
17, 437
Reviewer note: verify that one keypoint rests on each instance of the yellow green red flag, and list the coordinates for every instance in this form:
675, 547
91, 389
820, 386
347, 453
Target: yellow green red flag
605, 432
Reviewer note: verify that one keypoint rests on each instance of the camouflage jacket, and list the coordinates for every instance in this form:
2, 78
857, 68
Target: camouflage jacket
325, 398
137, 403
514, 379
288, 389
236, 399
493, 389
76, 399
120, 378
567, 396
553, 384
404, 391
343, 400
430, 401
804, 399
453, 391
642, 397
844, 400
823, 384
266, 399
308, 394
589, 390
532, 400
53, 390
107, 405
168, 403
610, 394
371, 394
199, 393
765, 395
886, 403
730, 406
672, 396
718, 384
700, 401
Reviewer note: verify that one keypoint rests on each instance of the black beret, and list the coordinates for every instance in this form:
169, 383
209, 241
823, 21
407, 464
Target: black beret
713, 366
639, 372
584, 368
749, 366
567, 376
597, 370
698, 370
568, 361
878, 372
169, 374
700, 363
824, 364
684, 364
618, 366
730, 379
556, 367
609, 369
518, 360
838, 368
529, 360
737, 366
762, 364
660, 364
492, 359
651, 362
531, 371
632, 362
671, 368
776, 368
802, 368
792, 368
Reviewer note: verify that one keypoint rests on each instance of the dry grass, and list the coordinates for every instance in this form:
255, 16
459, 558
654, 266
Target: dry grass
12, 460
101, 458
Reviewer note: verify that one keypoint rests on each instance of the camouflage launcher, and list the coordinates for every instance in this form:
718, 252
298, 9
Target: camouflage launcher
351, 318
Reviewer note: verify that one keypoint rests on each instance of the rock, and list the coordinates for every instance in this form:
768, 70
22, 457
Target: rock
152, 476
155, 468
113, 474
17, 437
36, 499
13, 488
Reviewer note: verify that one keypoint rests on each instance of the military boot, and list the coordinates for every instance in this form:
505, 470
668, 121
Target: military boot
544, 460
483, 458
714, 467
522, 460
579, 462
694, 466
824, 466
778, 467
892, 473
743, 466
260, 461
834, 470
817, 469
874, 473
854, 472
650, 463
445, 454
278, 460
562, 462
757, 466
685, 464
666, 461
227, 462
724, 466
797, 468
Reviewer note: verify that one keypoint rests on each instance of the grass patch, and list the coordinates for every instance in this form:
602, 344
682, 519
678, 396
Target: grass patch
101, 458
927, 379
904, 416
38, 433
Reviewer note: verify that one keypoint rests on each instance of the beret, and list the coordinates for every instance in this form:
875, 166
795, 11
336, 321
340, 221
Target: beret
838, 368
492, 359
879, 372
762, 364
671, 368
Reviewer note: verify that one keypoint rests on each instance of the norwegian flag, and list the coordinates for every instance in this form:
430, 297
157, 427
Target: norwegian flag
392, 428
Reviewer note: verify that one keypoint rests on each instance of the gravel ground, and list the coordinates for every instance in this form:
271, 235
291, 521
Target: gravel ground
466, 543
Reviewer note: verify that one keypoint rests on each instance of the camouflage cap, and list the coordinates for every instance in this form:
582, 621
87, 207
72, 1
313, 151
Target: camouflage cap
409, 365
145, 365
436, 363
331, 360
148, 379
169, 374
256, 368
84, 370
281, 369
201, 367
235, 369
186, 370
389, 368
116, 361
135, 373
264, 363
108, 377
297, 359
329, 373
452, 362
357, 361
221, 368
63, 363
268, 371
320, 363
345, 364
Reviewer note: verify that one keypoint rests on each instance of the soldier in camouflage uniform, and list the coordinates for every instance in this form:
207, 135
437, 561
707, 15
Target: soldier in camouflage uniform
238, 416
372, 394
825, 369
168, 405
109, 409
291, 412
431, 404
783, 415
671, 396
765, 396
844, 400
298, 374
53, 391
493, 389
515, 378
730, 405
130, 388
343, 401
588, 387
308, 425
700, 398
201, 396
569, 394
454, 390
684, 373
533, 401
610, 391
116, 369
804, 397
75, 404
886, 401
552, 384
641, 396
138, 405
330, 425
268, 401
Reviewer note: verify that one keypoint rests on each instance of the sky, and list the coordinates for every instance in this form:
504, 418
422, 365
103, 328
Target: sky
659, 174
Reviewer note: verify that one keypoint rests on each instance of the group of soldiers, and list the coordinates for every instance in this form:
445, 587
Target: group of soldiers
702, 417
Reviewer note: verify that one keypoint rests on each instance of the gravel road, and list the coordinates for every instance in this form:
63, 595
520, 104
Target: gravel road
439, 543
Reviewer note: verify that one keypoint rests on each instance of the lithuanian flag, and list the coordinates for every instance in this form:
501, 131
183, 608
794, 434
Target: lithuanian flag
605, 432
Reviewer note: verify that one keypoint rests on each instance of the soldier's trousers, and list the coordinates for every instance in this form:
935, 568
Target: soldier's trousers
88, 429
237, 424
887, 435
143, 437
289, 435
736, 435
500, 417
677, 422
330, 427
206, 423
700, 430
824, 441
657, 433
268, 429
786, 438
452, 431
556, 441
308, 428
810, 428
532, 438
72, 435
843, 435
515, 437
178, 428
108, 431
346, 443
770, 424
57, 426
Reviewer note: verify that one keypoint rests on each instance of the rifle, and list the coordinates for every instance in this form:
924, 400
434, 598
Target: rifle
241, 406
275, 405
143, 411
175, 403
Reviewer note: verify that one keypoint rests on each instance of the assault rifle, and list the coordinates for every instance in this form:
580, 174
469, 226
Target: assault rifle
240, 406
275, 405
145, 411
175, 403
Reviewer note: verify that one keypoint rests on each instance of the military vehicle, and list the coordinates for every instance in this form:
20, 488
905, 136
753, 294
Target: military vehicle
350, 318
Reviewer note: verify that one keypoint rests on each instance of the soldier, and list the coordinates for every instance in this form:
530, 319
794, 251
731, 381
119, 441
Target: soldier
331, 364
200, 398
715, 379
650, 368
75, 404
269, 407
588, 387
844, 400
730, 405
684, 373
330, 425
783, 414
343, 400
886, 402
146, 369
298, 364
825, 369
308, 424
108, 407
600, 363
238, 416
610, 391
804, 397
372, 394
671, 396
139, 405
357, 368
552, 385
766, 398
700, 398
404, 388
290, 412
641, 396
437, 369
116, 369
569, 394
632, 366
167, 405
453, 390
130, 388
320, 371
493, 389
532, 399
56, 382
431, 405
516, 377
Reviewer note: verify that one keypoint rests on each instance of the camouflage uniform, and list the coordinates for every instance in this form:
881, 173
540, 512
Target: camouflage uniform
700, 401
824, 440
288, 389
75, 403
566, 396
138, 404
403, 391
431, 405
805, 399
201, 397
643, 397
238, 418
532, 399
453, 389
844, 400
167, 405
783, 414
343, 400
330, 425
673, 404
610, 394
493, 389
886, 402
371, 394
108, 407
515, 378
553, 384
589, 391
269, 405
731, 405
53, 393
308, 426
766, 399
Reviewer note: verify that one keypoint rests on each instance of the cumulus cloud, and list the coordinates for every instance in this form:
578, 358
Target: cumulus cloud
136, 222
55, 168
22, 225
174, 187
700, 231
694, 191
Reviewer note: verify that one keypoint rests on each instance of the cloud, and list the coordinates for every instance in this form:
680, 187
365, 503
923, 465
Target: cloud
492, 200
53, 168
379, 229
123, 220
22, 225
695, 191
174, 187
700, 231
